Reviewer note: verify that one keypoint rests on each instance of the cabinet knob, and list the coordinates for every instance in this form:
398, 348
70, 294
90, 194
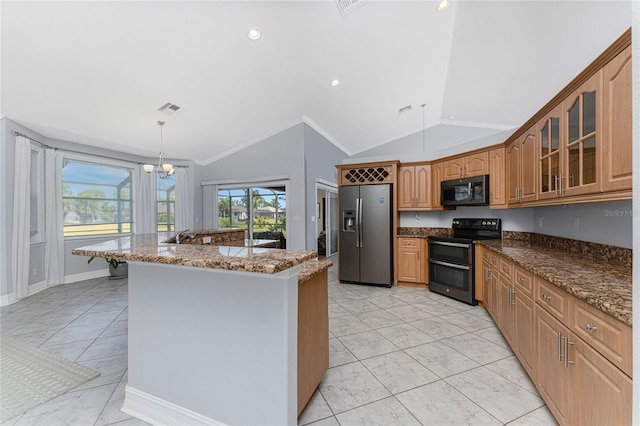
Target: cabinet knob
588, 327
545, 297
519, 280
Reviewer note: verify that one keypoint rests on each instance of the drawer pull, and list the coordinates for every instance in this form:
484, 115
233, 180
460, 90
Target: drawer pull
588, 327
519, 279
546, 298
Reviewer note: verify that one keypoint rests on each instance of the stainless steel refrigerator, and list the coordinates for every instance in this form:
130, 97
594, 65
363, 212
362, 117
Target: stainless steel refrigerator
366, 234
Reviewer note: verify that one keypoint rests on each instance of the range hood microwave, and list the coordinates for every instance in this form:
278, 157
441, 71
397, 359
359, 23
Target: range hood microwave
471, 191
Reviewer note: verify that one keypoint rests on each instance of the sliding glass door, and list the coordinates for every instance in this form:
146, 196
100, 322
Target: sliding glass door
260, 210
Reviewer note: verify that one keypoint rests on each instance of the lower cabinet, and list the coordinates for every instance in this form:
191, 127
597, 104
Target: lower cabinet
412, 260
578, 357
579, 385
550, 376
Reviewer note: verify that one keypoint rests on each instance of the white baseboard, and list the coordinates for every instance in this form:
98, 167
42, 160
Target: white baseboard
86, 276
8, 299
157, 411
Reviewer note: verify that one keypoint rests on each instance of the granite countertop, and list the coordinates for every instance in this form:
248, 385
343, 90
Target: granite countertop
597, 282
311, 268
149, 248
411, 232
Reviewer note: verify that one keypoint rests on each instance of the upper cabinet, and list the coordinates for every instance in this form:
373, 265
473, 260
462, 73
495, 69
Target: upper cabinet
414, 187
497, 178
437, 176
467, 166
548, 132
521, 176
581, 139
617, 158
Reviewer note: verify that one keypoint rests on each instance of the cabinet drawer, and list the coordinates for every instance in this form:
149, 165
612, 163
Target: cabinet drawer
506, 268
523, 280
607, 335
410, 242
553, 299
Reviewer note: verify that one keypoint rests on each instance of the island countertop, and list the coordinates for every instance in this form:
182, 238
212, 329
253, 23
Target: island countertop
150, 248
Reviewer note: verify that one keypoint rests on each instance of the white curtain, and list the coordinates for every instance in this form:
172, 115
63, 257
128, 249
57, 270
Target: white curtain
184, 200
145, 203
20, 232
54, 218
210, 207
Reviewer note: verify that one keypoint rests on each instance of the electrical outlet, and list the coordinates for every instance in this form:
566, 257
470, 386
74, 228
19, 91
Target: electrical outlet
206, 240
418, 218
576, 223
540, 221
35, 271
313, 218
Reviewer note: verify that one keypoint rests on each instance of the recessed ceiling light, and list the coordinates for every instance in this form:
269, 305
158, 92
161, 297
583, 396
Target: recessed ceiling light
443, 5
335, 83
254, 34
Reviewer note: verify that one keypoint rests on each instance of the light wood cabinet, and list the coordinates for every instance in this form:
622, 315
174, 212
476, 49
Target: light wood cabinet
601, 394
414, 187
551, 377
549, 152
579, 358
497, 178
617, 158
412, 260
466, 166
581, 141
524, 337
437, 176
579, 385
521, 171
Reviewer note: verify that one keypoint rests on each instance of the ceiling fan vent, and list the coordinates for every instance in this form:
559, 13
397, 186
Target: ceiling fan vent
347, 6
170, 108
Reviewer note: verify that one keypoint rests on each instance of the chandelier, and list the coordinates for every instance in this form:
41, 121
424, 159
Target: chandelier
164, 169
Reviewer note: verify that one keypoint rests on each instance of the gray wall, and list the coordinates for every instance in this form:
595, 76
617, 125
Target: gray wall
279, 155
320, 159
603, 223
439, 141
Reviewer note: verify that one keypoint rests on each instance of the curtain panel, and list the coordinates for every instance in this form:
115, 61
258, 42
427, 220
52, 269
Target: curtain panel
54, 218
184, 200
20, 232
146, 208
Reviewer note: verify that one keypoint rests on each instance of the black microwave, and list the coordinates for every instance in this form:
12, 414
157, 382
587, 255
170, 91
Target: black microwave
471, 191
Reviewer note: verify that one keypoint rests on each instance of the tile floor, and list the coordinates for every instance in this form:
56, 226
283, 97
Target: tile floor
399, 356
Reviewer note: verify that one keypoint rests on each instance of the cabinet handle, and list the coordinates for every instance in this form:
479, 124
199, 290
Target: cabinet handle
559, 346
566, 352
511, 292
486, 274
519, 279
588, 327
555, 179
546, 298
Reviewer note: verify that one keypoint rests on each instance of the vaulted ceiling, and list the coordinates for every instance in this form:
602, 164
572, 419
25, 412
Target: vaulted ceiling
96, 72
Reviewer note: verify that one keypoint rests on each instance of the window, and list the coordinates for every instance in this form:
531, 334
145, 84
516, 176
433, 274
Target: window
96, 199
166, 203
256, 209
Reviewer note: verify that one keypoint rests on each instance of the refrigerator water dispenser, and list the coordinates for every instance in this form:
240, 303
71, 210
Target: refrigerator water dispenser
349, 221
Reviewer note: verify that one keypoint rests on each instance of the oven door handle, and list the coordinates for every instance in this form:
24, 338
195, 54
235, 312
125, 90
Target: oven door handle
443, 243
450, 265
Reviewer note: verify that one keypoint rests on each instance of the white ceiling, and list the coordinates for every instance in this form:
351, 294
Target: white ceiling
95, 72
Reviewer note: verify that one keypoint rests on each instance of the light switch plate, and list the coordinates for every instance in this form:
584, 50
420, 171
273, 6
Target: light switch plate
206, 240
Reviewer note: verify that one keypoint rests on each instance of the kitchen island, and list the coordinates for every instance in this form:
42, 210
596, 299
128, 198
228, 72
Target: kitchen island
221, 334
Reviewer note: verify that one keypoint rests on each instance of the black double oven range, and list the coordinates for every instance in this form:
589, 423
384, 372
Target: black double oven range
451, 259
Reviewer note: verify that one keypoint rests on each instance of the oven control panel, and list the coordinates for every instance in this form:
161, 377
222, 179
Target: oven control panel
487, 224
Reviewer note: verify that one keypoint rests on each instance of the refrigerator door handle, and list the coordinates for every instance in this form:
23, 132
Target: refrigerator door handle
357, 222
360, 222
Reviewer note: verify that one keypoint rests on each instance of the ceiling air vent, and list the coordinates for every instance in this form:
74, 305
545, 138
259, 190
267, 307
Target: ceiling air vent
348, 6
170, 108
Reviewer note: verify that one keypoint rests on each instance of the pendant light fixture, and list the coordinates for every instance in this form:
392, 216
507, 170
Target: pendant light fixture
165, 169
